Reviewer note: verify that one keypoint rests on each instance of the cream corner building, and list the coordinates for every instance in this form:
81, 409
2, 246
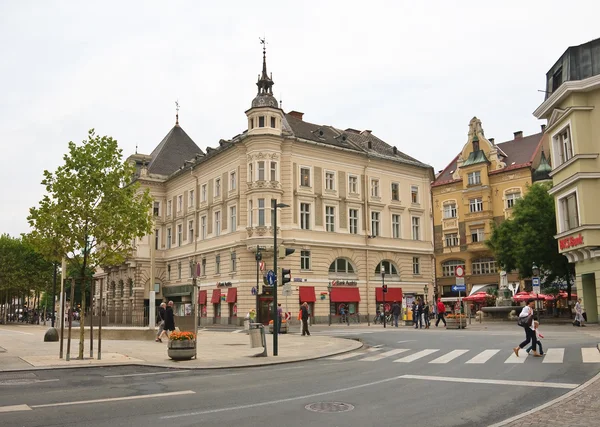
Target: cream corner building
572, 111
356, 205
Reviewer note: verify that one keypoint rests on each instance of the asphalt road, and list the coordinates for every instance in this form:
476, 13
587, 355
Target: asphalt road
390, 382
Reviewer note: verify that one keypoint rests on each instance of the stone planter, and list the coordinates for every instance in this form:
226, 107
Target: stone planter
181, 350
283, 330
456, 323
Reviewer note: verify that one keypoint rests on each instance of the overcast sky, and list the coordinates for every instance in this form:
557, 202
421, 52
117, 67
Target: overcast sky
414, 72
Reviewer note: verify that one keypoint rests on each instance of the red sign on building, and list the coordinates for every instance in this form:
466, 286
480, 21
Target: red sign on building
570, 242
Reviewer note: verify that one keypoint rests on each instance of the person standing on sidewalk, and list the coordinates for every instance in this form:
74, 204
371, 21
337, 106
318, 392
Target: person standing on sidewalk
305, 314
161, 321
396, 312
578, 314
426, 315
441, 312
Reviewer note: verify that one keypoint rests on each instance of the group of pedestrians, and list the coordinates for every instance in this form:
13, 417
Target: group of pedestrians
420, 314
166, 321
532, 334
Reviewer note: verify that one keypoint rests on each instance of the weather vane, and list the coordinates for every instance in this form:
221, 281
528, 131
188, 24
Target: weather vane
263, 41
177, 114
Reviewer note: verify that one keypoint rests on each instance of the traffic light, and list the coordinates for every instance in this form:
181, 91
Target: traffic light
283, 251
384, 287
258, 256
286, 275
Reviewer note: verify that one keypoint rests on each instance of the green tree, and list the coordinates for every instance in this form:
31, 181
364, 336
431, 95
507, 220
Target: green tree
92, 211
527, 238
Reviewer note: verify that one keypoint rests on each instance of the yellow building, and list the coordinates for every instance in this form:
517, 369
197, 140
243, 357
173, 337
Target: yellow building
477, 189
572, 111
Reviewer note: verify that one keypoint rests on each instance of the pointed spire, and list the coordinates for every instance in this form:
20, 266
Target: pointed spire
264, 97
177, 113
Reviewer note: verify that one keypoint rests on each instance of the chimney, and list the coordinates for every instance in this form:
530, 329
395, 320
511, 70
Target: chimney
491, 140
296, 114
395, 150
543, 128
518, 134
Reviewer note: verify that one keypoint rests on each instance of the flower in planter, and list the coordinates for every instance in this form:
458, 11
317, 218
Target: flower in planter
456, 316
182, 336
282, 321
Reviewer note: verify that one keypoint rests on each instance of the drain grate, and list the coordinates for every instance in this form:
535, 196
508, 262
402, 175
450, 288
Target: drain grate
329, 407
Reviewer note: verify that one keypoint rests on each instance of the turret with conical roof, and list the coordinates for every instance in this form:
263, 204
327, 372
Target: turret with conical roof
542, 173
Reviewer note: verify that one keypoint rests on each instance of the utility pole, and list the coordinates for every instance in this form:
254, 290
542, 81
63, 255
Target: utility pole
275, 254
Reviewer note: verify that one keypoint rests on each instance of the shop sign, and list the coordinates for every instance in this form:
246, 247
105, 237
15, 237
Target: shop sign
343, 283
570, 242
223, 284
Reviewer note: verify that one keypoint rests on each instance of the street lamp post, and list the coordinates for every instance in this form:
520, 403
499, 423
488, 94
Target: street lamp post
535, 282
274, 206
329, 294
258, 258
382, 271
194, 270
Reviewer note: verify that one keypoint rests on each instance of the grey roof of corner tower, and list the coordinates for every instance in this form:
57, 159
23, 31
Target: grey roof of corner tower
175, 148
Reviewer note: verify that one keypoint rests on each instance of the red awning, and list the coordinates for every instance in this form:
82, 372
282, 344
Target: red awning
307, 294
393, 294
202, 297
216, 296
345, 295
232, 295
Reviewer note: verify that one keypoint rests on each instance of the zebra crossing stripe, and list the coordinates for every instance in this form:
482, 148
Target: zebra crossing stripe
590, 355
417, 355
345, 356
384, 355
554, 355
514, 359
483, 357
449, 356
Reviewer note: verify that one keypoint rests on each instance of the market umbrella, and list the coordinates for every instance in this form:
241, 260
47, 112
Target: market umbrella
477, 297
564, 294
524, 296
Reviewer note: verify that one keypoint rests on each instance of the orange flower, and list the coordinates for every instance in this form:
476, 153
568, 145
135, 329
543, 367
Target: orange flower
182, 336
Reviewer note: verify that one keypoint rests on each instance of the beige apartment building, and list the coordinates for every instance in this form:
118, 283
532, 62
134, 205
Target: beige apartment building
356, 205
571, 109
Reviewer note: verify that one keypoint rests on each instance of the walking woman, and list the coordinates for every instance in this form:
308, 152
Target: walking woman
169, 320
526, 321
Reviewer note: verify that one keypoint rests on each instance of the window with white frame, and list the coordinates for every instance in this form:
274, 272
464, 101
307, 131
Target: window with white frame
192, 200
374, 188
484, 266
450, 210
179, 234
233, 261
156, 209
233, 218
416, 228
449, 267
395, 191
563, 146
451, 239
511, 199
261, 170
353, 221
203, 227
218, 264
375, 222
330, 218
305, 177
352, 184
474, 178
250, 213
169, 237
304, 260
476, 205
179, 203
273, 171
218, 223
416, 265
305, 216
388, 268
395, 226
169, 207
250, 172
203, 193
414, 194
191, 230
261, 212
329, 181
477, 235
569, 212
217, 187
232, 180
341, 266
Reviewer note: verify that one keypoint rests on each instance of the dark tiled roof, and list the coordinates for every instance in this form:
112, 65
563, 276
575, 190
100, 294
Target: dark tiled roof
519, 153
175, 148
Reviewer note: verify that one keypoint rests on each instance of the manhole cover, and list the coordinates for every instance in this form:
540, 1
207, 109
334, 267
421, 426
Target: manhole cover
329, 407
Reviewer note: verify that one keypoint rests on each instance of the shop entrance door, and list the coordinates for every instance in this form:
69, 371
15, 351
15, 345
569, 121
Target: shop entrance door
265, 307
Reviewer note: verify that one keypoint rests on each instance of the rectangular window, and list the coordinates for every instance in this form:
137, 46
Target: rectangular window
191, 230
261, 171
179, 203
449, 210
476, 205
305, 260
218, 264
156, 237
233, 261
179, 234
273, 171
330, 181
353, 223
474, 178
396, 226
232, 181
416, 265
375, 224
305, 216
217, 187
374, 188
233, 218
250, 213
203, 195
451, 239
273, 122
414, 194
250, 172
563, 146
449, 268
156, 209
569, 212
218, 223
477, 235
203, 227
305, 177
169, 207
203, 272
252, 123
353, 184
261, 121
192, 200
484, 266
416, 228
330, 218
169, 237
511, 199
395, 191
261, 212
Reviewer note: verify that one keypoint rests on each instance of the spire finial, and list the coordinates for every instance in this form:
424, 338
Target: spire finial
136, 148
177, 112
263, 41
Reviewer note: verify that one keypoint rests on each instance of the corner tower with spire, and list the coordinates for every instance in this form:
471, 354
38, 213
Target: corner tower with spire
264, 115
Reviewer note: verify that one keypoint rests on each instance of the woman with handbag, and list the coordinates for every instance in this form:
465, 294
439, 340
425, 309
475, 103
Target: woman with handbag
526, 321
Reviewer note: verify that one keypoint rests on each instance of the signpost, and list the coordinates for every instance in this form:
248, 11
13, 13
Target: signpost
460, 286
271, 277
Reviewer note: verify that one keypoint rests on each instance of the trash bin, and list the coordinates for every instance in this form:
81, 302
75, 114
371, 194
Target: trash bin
246, 324
257, 331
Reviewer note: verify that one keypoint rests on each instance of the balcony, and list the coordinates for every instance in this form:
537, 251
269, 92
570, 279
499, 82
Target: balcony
449, 223
485, 214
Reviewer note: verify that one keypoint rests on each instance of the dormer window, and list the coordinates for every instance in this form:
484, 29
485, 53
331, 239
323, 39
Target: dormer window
474, 178
261, 122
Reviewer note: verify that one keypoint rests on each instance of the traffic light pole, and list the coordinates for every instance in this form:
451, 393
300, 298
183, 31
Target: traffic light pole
275, 254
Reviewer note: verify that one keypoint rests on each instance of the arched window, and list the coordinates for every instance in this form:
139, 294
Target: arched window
448, 267
388, 267
341, 266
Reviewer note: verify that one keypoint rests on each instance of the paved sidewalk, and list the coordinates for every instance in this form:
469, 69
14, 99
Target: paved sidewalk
22, 347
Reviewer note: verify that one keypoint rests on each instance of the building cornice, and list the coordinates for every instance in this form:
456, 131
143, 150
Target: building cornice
560, 115
577, 230
564, 90
572, 180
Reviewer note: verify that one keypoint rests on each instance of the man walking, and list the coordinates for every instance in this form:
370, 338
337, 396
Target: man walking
161, 321
304, 309
441, 312
396, 312
419, 324
169, 320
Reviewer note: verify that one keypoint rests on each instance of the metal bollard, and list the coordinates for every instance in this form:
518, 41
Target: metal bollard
257, 338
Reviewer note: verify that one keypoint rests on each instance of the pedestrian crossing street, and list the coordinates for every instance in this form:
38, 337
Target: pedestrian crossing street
470, 357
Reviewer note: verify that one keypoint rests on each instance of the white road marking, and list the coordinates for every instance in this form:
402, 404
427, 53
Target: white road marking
143, 375
345, 356
115, 399
384, 355
449, 356
514, 359
416, 356
497, 382
400, 342
483, 357
554, 355
372, 349
14, 408
590, 355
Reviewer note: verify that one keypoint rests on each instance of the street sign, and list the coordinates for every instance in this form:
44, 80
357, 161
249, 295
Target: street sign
286, 290
537, 289
261, 265
459, 271
459, 288
271, 277
535, 281
253, 290
460, 281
